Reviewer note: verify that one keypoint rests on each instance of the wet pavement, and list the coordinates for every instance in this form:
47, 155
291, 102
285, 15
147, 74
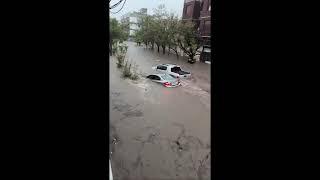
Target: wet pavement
158, 132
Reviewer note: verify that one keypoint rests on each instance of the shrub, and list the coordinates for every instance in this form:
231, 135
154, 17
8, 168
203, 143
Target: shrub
115, 50
123, 48
135, 75
127, 70
120, 60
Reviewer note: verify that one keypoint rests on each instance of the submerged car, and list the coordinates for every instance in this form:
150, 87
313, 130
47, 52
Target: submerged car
173, 70
165, 79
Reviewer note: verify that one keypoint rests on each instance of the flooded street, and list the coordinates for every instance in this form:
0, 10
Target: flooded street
159, 132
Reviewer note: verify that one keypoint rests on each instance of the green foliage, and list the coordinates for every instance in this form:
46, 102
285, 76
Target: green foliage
120, 60
123, 48
118, 31
187, 40
121, 53
165, 30
127, 70
115, 30
130, 71
135, 75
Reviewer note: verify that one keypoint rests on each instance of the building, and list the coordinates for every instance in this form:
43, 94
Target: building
199, 12
143, 11
191, 11
205, 21
132, 21
133, 26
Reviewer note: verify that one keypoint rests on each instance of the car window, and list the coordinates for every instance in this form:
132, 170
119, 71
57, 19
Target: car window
175, 69
162, 68
167, 77
157, 78
150, 76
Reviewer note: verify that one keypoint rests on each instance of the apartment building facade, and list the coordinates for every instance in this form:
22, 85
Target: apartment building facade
199, 12
132, 21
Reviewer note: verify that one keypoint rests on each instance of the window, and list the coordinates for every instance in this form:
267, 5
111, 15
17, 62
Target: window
162, 68
189, 11
175, 69
150, 76
157, 78
167, 77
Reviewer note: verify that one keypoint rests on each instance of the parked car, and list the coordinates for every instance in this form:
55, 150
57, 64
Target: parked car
165, 79
173, 70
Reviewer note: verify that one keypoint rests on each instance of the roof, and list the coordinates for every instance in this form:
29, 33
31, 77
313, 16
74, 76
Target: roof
157, 74
168, 64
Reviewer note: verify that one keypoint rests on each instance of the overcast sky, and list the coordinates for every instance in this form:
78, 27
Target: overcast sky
175, 6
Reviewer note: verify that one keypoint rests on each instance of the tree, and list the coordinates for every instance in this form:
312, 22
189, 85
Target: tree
172, 31
188, 40
161, 35
117, 33
114, 32
147, 30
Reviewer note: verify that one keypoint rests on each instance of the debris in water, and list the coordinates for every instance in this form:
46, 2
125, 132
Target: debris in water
180, 148
114, 141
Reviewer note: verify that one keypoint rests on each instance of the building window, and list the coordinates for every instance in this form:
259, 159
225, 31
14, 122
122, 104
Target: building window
189, 11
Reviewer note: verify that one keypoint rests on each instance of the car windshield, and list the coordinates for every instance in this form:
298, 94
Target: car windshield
175, 69
167, 77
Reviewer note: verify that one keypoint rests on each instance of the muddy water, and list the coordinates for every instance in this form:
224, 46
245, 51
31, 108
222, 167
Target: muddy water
157, 132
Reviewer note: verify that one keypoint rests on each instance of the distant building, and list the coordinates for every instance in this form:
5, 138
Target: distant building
132, 21
133, 26
144, 11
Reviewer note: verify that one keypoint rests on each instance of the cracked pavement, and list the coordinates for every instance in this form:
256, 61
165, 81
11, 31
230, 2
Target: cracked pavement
157, 132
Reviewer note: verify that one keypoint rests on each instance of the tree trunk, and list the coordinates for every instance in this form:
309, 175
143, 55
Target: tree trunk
177, 53
152, 46
169, 50
164, 49
158, 49
191, 59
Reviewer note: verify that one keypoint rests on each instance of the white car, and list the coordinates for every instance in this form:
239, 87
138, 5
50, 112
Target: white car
173, 70
165, 79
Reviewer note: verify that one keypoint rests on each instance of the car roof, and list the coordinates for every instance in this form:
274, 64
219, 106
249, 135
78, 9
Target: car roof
168, 65
157, 74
